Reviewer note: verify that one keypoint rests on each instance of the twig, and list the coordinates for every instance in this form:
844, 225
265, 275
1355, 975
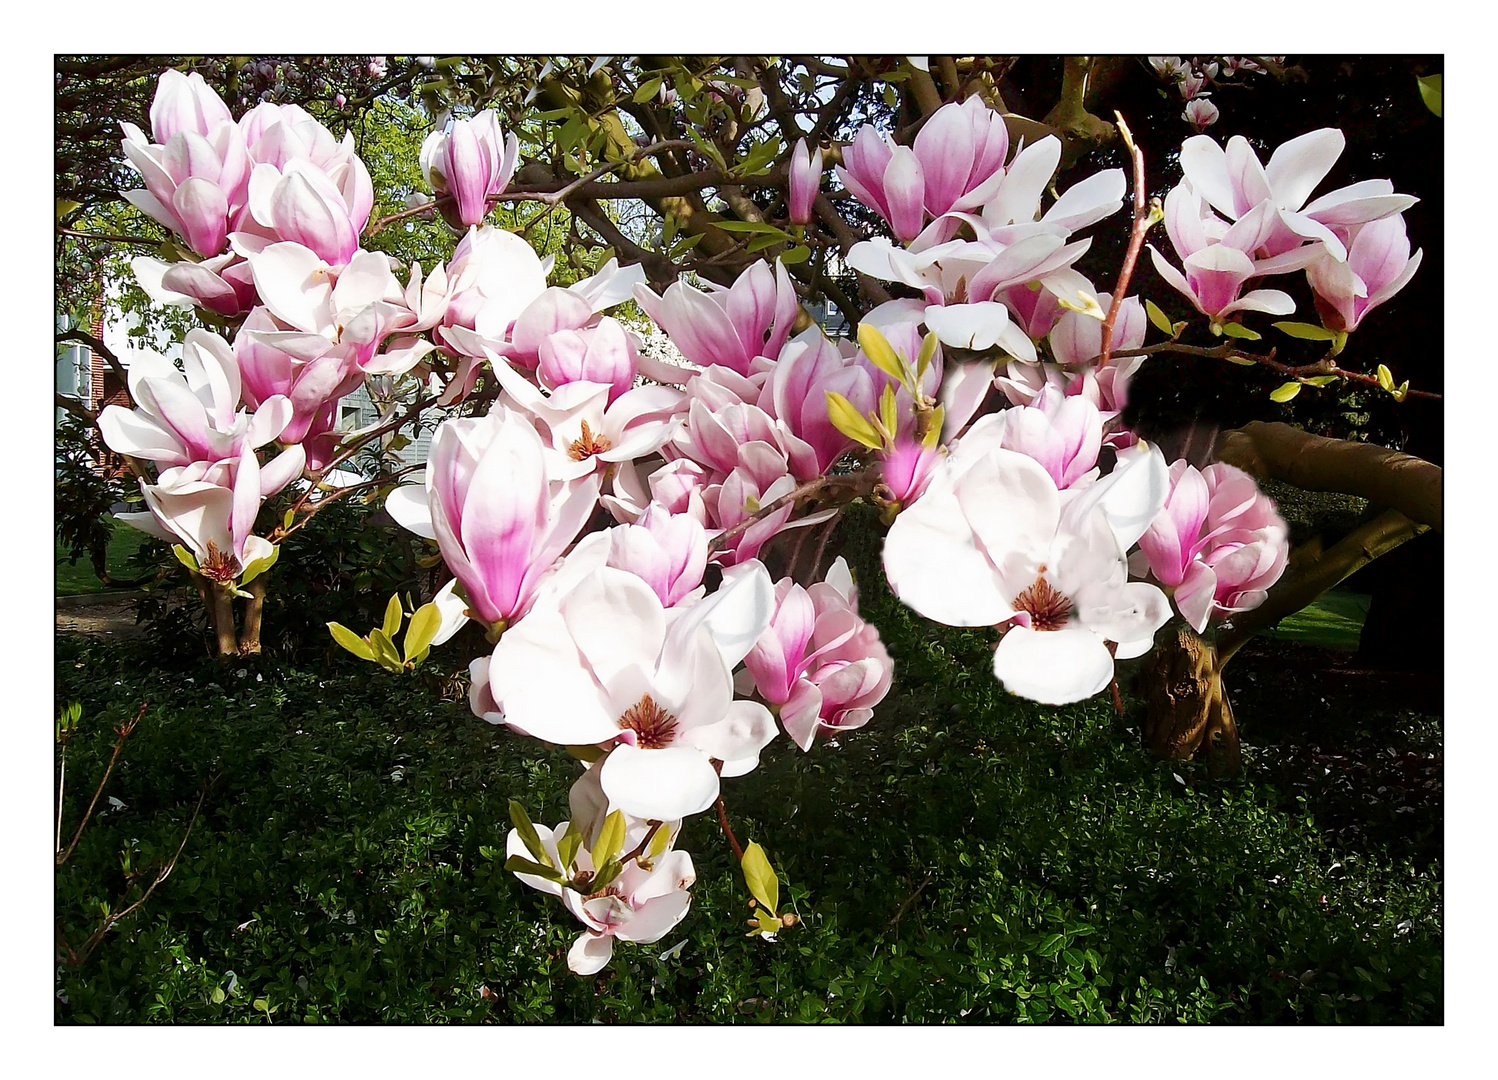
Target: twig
1228, 351
140, 241
733, 841
1142, 219
644, 843
97, 936
121, 735
904, 907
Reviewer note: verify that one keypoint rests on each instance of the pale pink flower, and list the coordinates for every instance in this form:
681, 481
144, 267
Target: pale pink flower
728, 326
1378, 265
472, 161
500, 518
805, 178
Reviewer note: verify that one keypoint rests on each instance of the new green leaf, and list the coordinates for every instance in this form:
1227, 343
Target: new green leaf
764, 886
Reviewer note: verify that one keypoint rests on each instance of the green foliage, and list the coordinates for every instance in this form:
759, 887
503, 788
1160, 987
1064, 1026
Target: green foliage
84, 525
965, 856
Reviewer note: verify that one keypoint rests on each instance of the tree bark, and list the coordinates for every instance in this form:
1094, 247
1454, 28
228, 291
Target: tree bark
1187, 712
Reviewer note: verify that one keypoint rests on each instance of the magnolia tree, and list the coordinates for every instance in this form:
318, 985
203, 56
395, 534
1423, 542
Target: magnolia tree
645, 543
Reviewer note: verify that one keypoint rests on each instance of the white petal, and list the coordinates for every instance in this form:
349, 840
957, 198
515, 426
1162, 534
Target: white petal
661, 784
1054, 667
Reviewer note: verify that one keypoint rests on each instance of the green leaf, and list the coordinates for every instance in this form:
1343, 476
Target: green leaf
1319, 380
764, 886
924, 357
1308, 331
660, 841
1285, 392
394, 616
760, 243
889, 411
851, 422
610, 839
384, 650
1238, 330
289, 517
730, 225
185, 557
588, 753
522, 822
217, 997
1385, 378
569, 844
425, 622
648, 89
351, 641
1430, 92
518, 865
881, 353
1159, 318
799, 253
1241, 361
606, 874
768, 923
260, 566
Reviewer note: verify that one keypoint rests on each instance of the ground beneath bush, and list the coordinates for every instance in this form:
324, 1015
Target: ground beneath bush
105, 615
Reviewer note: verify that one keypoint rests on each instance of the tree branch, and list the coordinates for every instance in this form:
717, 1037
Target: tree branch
1313, 463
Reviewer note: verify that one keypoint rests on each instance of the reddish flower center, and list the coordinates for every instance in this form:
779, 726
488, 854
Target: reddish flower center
220, 565
654, 727
1048, 608
587, 444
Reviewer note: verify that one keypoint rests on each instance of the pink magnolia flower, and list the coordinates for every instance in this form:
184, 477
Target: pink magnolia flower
494, 276
992, 542
640, 905
499, 517
887, 178
1078, 337
324, 211
608, 664
1235, 182
191, 415
588, 432
1378, 265
311, 386
1218, 542
805, 178
278, 134
905, 468
605, 353
471, 160
210, 508
222, 285
666, 551
760, 477
818, 660
196, 183
1200, 113
729, 326
1062, 433
1217, 258
961, 150
184, 102
808, 369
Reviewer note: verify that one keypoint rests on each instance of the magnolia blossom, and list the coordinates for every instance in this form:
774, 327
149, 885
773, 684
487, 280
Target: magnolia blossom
609, 665
472, 161
822, 665
191, 415
729, 326
993, 541
1063, 434
222, 285
643, 904
805, 177
809, 368
666, 551
1218, 542
1217, 258
605, 353
195, 183
184, 102
300, 202
210, 509
1378, 265
588, 431
499, 517
1077, 337
1200, 113
1235, 182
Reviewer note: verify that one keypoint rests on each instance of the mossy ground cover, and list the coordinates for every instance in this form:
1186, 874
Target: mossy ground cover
966, 857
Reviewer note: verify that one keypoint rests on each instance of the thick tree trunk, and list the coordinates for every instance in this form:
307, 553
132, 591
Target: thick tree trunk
1187, 713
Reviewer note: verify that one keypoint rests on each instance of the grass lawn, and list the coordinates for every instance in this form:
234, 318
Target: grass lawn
79, 578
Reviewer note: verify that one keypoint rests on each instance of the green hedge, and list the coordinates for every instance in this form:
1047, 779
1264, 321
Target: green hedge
966, 857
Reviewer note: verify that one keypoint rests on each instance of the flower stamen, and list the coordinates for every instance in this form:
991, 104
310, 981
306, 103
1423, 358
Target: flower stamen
1047, 608
654, 727
588, 444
